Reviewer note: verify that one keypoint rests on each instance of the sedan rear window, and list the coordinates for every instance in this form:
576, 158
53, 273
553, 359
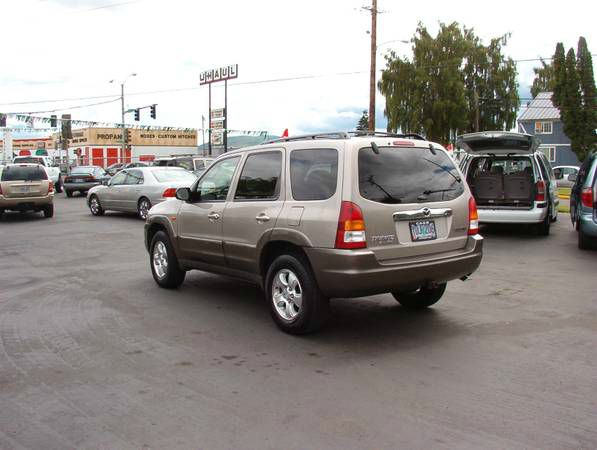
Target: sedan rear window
24, 173
407, 175
167, 175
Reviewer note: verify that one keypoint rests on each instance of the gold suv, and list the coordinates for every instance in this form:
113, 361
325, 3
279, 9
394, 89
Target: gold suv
26, 187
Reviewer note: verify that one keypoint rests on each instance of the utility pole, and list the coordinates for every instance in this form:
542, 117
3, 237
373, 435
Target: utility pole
122, 158
373, 69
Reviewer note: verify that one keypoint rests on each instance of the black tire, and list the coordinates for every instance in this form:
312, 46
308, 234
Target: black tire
313, 311
543, 228
1, 212
68, 193
143, 206
584, 241
58, 186
49, 211
173, 275
420, 298
95, 206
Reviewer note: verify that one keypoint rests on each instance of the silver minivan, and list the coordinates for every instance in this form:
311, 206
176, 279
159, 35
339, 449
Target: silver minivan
511, 180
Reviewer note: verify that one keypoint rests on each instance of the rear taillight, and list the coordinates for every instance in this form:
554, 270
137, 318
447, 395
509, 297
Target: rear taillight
351, 227
0, 188
473, 217
170, 192
51, 187
586, 197
540, 187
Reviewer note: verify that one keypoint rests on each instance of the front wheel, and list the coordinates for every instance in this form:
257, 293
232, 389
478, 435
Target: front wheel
58, 186
296, 303
143, 208
420, 298
164, 264
95, 206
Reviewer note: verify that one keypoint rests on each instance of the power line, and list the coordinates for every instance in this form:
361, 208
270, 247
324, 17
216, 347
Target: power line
68, 108
254, 82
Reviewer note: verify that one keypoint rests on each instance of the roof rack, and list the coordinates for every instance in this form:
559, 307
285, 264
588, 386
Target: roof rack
347, 135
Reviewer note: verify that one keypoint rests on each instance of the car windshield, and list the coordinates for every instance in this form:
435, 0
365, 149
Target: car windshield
408, 175
168, 175
23, 173
82, 170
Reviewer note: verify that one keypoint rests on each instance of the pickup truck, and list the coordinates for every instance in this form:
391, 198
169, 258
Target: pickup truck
46, 161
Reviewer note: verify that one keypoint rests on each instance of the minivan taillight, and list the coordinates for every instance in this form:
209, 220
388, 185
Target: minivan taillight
170, 192
351, 227
586, 197
51, 187
540, 196
473, 217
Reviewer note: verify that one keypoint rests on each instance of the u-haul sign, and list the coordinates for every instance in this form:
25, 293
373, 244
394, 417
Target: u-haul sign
219, 74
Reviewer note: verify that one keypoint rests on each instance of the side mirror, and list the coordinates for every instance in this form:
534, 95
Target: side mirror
105, 181
183, 194
572, 177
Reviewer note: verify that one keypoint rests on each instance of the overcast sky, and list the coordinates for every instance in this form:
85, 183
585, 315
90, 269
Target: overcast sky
55, 49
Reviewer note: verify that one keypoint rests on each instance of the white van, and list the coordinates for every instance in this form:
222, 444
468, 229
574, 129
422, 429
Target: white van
511, 180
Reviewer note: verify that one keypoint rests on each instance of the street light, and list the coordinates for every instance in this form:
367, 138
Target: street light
122, 109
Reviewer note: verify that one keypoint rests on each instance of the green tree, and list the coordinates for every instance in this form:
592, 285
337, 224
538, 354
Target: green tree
559, 73
363, 123
544, 79
452, 84
587, 116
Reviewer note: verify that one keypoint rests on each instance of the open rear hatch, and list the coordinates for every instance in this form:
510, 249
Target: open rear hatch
497, 143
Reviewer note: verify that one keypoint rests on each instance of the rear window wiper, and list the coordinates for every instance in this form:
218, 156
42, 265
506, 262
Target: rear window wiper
427, 192
389, 196
456, 177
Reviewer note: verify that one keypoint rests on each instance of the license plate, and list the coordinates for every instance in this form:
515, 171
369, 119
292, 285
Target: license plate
23, 189
423, 230
78, 180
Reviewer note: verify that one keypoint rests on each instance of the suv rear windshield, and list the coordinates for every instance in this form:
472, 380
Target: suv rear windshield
408, 175
24, 173
28, 160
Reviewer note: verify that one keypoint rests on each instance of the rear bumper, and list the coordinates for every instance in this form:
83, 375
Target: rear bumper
79, 186
357, 273
534, 215
25, 203
588, 224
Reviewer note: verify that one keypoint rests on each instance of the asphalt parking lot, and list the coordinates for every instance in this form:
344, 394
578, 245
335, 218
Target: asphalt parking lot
94, 355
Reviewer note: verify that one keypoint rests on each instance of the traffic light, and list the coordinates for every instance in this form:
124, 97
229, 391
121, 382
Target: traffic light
152, 111
137, 114
2, 120
66, 127
126, 135
53, 121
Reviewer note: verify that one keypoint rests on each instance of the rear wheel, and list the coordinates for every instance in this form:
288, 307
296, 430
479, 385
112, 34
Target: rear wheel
68, 193
420, 298
584, 241
58, 186
164, 264
143, 208
296, 303
95, 206
542, 228
49, 211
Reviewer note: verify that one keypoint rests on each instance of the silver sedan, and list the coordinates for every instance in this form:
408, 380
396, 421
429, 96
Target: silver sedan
138, 189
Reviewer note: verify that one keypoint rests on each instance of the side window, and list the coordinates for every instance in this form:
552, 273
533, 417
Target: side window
134, 177
260, 177
214, 185
119, 178
313, 173
542, 168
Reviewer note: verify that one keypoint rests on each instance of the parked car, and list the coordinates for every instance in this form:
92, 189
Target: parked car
195, 164
26, 187
114, 168
321, 216
137, 190
52, 169
83, 178
583, 203
562, 175
511, 180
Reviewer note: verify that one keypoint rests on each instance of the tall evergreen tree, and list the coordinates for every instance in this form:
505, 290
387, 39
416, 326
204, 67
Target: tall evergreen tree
544, 79
363, 123
588, 94
559, 73
570, 108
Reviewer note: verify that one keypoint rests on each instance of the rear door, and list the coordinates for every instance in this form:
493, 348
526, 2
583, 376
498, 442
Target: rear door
497, 143
413, 201
254, 209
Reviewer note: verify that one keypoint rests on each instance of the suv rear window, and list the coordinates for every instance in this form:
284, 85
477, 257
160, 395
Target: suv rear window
24, 173
28, 160
313, 173
407, 175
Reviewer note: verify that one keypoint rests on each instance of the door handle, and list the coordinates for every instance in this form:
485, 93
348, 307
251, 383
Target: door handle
262, 218
213, 216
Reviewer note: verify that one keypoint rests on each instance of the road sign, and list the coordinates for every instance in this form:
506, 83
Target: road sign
217, 125
217, 137
217, 113
219, 74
